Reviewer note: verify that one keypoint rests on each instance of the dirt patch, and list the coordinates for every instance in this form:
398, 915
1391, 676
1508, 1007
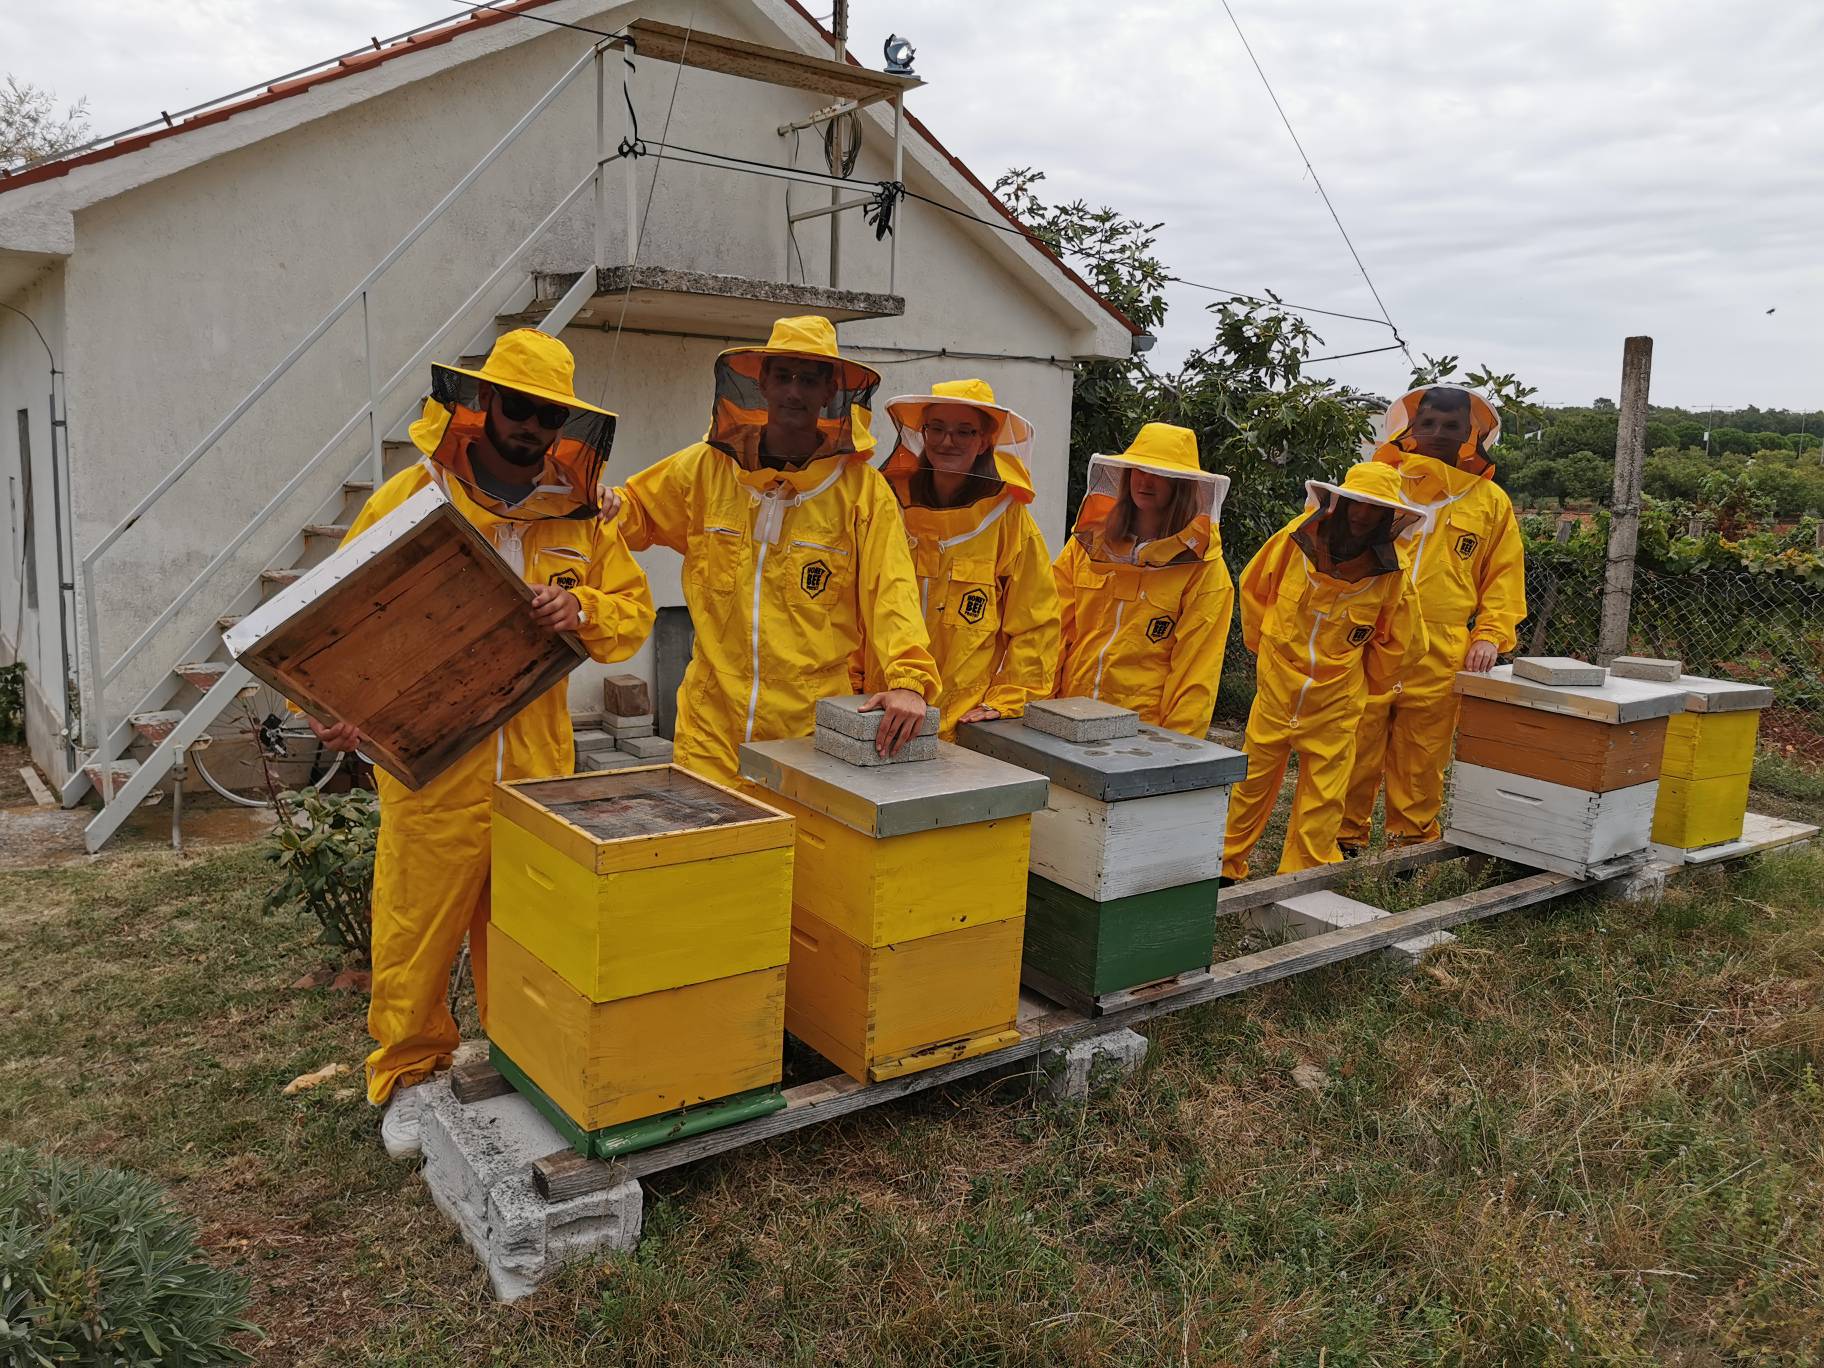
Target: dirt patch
12, 787
42, 838
1793, 733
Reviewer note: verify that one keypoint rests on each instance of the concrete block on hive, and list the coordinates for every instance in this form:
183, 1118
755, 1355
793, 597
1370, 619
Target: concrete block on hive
1076, 1072
859, 751
845, 717
1081, 721
1559, 671
1613, 701
1647, 667
626, 695
646, 747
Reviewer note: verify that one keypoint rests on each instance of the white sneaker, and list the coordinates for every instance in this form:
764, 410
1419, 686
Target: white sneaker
401, 1128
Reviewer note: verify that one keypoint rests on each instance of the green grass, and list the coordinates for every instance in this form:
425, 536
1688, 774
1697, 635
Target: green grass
1591, 1133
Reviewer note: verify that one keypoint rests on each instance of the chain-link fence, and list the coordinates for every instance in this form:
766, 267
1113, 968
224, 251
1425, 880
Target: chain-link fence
1768, 629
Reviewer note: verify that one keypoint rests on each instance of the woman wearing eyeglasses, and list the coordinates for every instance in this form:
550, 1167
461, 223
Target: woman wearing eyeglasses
984, 574
1147, 600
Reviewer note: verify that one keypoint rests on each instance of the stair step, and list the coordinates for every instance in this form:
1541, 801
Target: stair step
281, 578
155, 726
336, 530
227, 620
202, 674
123, 771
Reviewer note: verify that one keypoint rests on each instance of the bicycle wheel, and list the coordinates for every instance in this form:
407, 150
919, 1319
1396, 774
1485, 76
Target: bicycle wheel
259, 747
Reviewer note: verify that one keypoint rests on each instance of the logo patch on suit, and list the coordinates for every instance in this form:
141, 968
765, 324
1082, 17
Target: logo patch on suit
1359, 635
814, 578
1467, 544
565, 579
973, 606
1159, 628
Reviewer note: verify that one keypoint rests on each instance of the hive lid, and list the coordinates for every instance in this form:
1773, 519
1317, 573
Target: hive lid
1614, 701
1706, 695
1152, 761
957, 788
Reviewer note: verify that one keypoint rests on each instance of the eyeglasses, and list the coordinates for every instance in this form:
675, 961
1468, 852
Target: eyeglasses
517, 407
938, 432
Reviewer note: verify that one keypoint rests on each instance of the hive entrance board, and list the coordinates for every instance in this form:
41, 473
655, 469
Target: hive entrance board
642, 802
417, 632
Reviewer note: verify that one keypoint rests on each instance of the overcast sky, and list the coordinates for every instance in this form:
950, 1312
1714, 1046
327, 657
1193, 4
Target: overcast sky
1527, 184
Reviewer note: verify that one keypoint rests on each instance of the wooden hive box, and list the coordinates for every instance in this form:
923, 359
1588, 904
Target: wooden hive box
641, 879
640, 931
909, 900
417, 632
1125, 856
1703, 786
1559, 778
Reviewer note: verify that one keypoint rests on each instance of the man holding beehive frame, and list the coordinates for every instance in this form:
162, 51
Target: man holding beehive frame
518, 455
1470, 571
794, 556
1331, 615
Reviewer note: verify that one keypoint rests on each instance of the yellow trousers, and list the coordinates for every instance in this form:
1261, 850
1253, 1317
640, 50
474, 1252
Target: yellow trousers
1405, 739
1323, 736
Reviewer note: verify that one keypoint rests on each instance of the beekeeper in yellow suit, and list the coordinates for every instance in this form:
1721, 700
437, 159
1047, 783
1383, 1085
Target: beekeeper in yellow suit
1331, 616
959, 470
1146, 598
794, 556
519, 455
1469, 568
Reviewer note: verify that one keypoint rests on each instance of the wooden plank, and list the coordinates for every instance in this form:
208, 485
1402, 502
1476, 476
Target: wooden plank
1040, 1030
41, 795
558, 1177
1574, 751
477, 1081
1254, 893
755, 62
1532, 859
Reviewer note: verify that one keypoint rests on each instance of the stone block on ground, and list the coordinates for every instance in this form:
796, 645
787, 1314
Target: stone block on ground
1560, 671
1073, 1073
1408, 953
1648, 668
859, 750
1309, 914
478, 1165
1082, 720
1645, 884
646, 747
626, 695
844, 716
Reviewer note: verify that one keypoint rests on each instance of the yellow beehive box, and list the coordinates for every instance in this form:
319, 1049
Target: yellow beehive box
877, 1012
1704, 776
909, 902
638, 880
604, 1063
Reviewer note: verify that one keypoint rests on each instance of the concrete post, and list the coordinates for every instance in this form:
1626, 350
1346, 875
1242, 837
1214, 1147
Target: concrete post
1624, 513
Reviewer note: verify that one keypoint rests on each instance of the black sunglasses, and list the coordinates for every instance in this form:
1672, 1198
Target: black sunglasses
517, 407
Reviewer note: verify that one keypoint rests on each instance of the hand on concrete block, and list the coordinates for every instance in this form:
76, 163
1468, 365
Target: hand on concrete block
844, 716
1082, 720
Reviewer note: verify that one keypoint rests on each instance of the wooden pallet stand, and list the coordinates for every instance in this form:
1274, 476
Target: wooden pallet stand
1123, 894
908, 903
1709, 758
1559, 777
637, 953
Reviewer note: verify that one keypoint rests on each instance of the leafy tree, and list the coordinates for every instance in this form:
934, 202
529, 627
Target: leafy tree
30, 127
1732, 441
1587, 475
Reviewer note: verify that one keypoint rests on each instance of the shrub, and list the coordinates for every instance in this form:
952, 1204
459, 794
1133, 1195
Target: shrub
12, 702
324, 850
96, 1267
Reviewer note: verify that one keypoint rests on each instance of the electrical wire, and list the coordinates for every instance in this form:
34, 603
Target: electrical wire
1334, 216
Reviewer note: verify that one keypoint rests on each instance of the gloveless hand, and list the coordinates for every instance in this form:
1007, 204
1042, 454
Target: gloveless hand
1481, 657
556, 610
903, 710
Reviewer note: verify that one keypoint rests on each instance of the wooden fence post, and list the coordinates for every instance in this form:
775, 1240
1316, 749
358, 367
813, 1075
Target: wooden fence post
1624, 510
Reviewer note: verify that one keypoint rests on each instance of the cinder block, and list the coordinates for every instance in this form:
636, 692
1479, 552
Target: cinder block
646, 747
859, 750
1561, 671
844, 715
1309, 914
626, 695
1073, 1073
1408, 953
1082, 720
622, 727
593, 738
478, 1166
607, 761
1645, 884
1647, 667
